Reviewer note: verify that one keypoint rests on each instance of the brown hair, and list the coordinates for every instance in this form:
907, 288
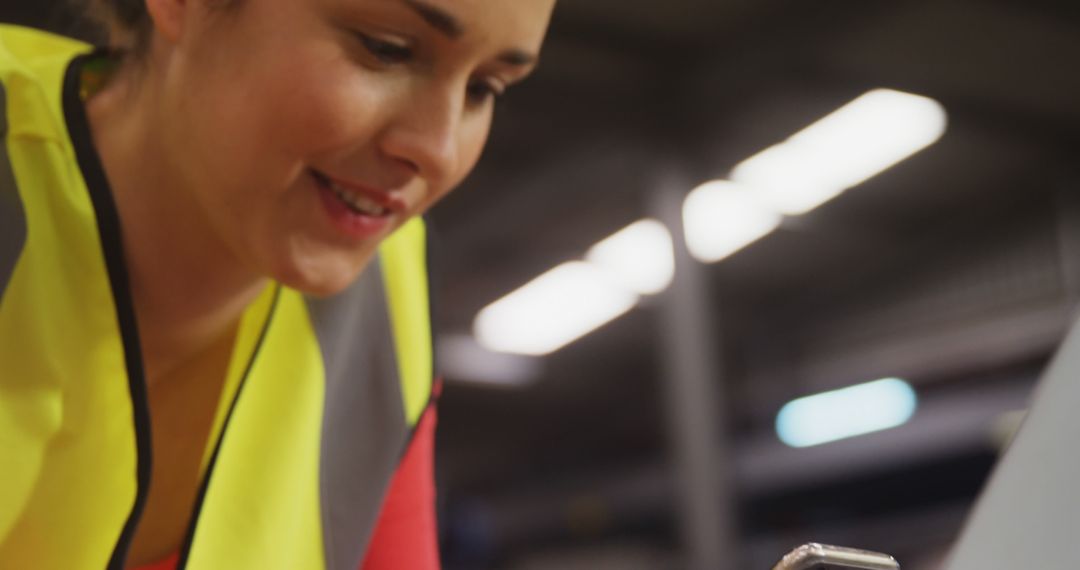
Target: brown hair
122, 24
125, 24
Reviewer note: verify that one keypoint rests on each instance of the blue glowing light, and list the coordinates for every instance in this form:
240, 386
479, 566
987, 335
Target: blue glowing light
847, 412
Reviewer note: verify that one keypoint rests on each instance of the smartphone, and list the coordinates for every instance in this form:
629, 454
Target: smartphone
814, 556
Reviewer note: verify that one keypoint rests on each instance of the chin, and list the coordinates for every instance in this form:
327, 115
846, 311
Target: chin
321, 277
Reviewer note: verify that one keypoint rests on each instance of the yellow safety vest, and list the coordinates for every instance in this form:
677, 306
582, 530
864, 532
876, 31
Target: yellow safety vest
320, 397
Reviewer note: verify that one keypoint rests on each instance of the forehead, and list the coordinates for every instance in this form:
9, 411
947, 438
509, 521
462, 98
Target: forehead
522, 22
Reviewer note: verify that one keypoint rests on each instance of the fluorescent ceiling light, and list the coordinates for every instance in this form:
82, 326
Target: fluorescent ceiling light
847, 412
640, 256
848, 146
552, 310
720, 218
462, 359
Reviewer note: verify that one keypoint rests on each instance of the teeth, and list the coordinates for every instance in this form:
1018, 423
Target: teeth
357, 202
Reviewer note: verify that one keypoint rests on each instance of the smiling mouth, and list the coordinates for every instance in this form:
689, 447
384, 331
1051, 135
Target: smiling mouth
354, 201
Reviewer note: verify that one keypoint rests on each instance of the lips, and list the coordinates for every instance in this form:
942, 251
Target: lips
360, 199
354, 210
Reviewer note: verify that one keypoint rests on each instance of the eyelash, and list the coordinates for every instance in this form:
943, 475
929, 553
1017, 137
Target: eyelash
480, 91
389, 53
386, 52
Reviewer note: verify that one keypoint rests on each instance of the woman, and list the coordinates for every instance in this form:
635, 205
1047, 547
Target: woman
213, 352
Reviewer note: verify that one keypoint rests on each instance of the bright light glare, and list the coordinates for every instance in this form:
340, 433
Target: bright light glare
853, 143
720, 218
639, 256
552, 310
847, 412
462, 359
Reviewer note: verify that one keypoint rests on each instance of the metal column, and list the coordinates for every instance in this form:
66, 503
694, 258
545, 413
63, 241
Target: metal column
1067, 209
691, 353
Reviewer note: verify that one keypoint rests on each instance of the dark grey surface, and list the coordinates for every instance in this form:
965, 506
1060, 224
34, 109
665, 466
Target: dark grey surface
12, 216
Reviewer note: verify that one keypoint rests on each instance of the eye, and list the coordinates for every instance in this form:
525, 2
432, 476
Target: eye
386, 51
483, 90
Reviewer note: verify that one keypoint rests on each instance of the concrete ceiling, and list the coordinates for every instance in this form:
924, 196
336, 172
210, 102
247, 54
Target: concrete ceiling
579, 148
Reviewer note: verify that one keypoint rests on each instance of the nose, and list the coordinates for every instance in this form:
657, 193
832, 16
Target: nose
423, 134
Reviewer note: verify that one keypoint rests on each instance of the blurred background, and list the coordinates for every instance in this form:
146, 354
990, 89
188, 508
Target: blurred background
893, 203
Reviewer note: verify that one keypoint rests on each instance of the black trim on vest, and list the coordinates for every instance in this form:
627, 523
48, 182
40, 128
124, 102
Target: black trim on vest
196, 511
433, 262
110, 234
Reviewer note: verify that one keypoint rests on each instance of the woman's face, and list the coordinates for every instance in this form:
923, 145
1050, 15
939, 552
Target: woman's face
306, 131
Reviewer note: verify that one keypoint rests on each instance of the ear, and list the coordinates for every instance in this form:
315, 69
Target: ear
168, 17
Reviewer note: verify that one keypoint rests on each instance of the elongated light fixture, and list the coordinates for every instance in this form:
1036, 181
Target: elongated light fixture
463, 360
721, 217
868, 135
552, 310
639, 256
847, 412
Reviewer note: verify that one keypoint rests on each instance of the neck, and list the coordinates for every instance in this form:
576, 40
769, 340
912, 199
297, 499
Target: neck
188, 288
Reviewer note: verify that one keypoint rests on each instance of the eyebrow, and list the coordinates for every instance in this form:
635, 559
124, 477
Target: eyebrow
451, 27
437, 18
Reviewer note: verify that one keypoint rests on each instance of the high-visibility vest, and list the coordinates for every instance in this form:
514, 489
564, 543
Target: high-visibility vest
320, 399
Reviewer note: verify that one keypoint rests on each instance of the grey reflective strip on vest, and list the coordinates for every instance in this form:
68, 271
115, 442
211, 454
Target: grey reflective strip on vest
12, 217
364, 426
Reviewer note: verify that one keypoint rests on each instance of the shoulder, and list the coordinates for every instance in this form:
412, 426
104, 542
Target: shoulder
32, 68
30, 45
37, 158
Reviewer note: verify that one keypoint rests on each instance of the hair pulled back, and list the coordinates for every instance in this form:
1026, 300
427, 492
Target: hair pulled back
124, 24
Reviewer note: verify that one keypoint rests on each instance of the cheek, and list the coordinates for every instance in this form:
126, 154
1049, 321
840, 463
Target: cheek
319, 108
286, 109
231, 130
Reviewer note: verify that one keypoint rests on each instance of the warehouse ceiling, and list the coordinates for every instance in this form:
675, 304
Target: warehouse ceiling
634, 95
